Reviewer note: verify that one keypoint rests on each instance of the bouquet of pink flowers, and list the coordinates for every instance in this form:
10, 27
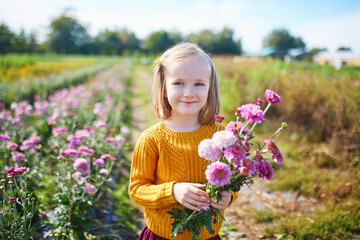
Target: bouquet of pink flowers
231, 165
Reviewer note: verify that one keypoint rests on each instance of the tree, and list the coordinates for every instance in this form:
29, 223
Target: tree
157, 42
6, 39
282, 40
343, 48
67, 35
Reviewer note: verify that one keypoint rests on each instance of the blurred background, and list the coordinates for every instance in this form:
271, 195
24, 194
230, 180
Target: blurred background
87, 66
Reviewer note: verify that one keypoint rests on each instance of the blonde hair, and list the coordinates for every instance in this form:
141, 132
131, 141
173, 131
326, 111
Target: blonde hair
179, 52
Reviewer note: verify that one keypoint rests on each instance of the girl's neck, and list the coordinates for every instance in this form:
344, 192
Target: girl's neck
183, 123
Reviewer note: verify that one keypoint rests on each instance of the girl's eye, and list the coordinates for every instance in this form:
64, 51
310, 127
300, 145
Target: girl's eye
178, 83
199, 84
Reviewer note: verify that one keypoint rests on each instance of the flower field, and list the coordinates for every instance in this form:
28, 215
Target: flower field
65, 144
64, 158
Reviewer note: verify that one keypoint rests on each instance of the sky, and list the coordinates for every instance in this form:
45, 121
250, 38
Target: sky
320, 23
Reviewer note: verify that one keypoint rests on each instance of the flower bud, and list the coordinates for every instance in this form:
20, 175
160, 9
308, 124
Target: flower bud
244, 171
246, 145
3, 180
284, 125
1, 187
58, 231
260, 101
218, 118
10, 182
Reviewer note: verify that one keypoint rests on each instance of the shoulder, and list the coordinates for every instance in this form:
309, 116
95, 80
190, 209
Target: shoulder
150, 135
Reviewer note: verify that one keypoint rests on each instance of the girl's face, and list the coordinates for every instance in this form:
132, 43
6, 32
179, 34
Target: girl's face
187, 86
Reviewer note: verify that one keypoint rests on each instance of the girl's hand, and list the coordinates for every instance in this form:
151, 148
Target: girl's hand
191, 195
225, 200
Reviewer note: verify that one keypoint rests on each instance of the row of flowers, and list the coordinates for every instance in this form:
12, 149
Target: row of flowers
76, 138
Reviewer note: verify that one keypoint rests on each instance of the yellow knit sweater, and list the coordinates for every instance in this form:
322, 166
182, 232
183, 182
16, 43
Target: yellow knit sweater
161, 158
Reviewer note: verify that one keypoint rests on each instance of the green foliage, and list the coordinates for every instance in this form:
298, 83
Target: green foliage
186, 219
281, 39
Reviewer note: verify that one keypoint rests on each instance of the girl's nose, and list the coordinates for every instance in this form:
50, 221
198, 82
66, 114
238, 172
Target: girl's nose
188, 92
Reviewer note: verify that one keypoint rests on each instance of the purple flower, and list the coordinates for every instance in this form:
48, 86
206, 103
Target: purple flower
105, 156
265, 169
11, 146
244, 171
82, 134
82, 166
207, 149
125, 131
13, 199
4, 138
12, 171
100, 124
272, 97
99, 162
274, 150
224, 139
89, 188
103, 171
218, 173
252, 113
205, 208
250, 164
235, 153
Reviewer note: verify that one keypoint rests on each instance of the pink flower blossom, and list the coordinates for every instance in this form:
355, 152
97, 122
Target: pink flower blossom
69, 151
244, 171
100, 124
103, 171
205, 208
89, 188
82, 166
85, 150
250, 164
59, 130
252, 113
17, 156
207, 149
272, 97
274, 150
265, 169
105, 156
218, 173
4, 138
224, 139
356, 83
13, 199
74, 141
11, 146
235, 127
125, 131
12, 171
99, 162
82, 134
235, 153
76, 175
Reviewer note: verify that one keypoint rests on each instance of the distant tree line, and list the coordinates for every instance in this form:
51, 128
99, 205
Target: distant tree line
68, 36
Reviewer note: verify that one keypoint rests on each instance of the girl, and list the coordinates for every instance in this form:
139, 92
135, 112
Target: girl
166, 170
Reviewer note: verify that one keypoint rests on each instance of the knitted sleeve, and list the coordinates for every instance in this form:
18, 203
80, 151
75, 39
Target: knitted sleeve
143, 189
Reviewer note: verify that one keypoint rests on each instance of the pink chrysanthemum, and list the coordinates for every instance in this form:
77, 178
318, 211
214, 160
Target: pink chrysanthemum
224, 139
244, 171
99, 162
250, 164
82, 166
89, 188
59, 130
105, 156
260, 101
4, 138
207, 149
218, 173
265, 169
252, 113
13, 199
11, 146
69, 151
17, 156
271, 96
103, 171
85, 150
274, 150
235, 127
235, 153
76, 175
